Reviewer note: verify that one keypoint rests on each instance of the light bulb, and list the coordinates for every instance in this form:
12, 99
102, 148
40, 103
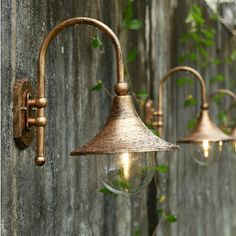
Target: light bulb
232, 149
206, 148
126, 173
206, 152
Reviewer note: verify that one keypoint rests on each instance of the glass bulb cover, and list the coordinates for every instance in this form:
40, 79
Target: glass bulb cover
232, 149
206, 153
126, 173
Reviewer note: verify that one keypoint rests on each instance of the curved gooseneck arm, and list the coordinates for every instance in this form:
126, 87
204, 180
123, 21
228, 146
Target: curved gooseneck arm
196, 75
204, 103
223, 91
121, 88
78, 21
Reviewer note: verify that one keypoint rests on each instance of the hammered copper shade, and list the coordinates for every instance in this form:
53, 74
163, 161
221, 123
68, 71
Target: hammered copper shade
205, 130
124, 132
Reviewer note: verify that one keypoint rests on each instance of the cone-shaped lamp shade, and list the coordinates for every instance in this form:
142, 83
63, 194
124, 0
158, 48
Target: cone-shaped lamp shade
205, 130
124, 132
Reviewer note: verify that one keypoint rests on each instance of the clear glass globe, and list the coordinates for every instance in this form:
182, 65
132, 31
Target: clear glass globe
232, 149
206, 152
126, 173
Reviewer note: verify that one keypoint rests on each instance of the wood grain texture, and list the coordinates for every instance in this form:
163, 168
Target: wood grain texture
202, 198
62, 198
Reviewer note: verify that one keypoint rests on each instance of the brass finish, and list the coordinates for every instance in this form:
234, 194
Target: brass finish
205, 128
23, 135
124, 132
38, 102
40, 121
129, 137
224, 91
230, 94
121, 88
148, 111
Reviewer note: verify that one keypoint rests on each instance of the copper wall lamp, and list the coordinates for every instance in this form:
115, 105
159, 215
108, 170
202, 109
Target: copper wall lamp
233, 96
124, 139
206, 138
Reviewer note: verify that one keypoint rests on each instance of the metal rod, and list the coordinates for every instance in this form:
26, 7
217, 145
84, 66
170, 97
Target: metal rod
223, 91
121, 88
204, 103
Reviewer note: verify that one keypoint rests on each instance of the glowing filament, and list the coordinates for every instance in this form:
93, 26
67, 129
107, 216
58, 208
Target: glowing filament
234, 146
125, 164
205, 146
220, 146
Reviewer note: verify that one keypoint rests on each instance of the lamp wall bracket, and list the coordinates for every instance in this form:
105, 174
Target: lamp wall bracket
24, 107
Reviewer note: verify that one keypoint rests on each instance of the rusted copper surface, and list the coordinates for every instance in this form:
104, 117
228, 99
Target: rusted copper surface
205, 130
149, 109
23, 136
134, 136
124, 132
121, 88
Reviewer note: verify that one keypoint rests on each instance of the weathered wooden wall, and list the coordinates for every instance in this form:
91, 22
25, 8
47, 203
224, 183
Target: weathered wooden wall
62, 198
202, 198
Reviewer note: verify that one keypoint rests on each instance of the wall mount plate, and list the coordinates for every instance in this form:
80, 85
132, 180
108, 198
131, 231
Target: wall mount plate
22, 134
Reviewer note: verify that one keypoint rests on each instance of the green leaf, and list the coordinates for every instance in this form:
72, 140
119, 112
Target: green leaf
215, 61
104, 190
204, 53
133, 24
151, 128
192, 123
142, 94
128, 13
96, 43
217, 78
206, 42
159, 211
122, 183
170, 218
188, 57
215, 16
231, 58
131, 56
98, 86
222, 117
195, 17
185, 37
208, 33
190, 101
217, 98
161, 199
195, 37
162, 168
137, 232
184, 81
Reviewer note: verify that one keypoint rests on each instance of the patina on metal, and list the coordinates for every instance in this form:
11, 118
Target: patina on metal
124, 131
233, 96
205, 129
